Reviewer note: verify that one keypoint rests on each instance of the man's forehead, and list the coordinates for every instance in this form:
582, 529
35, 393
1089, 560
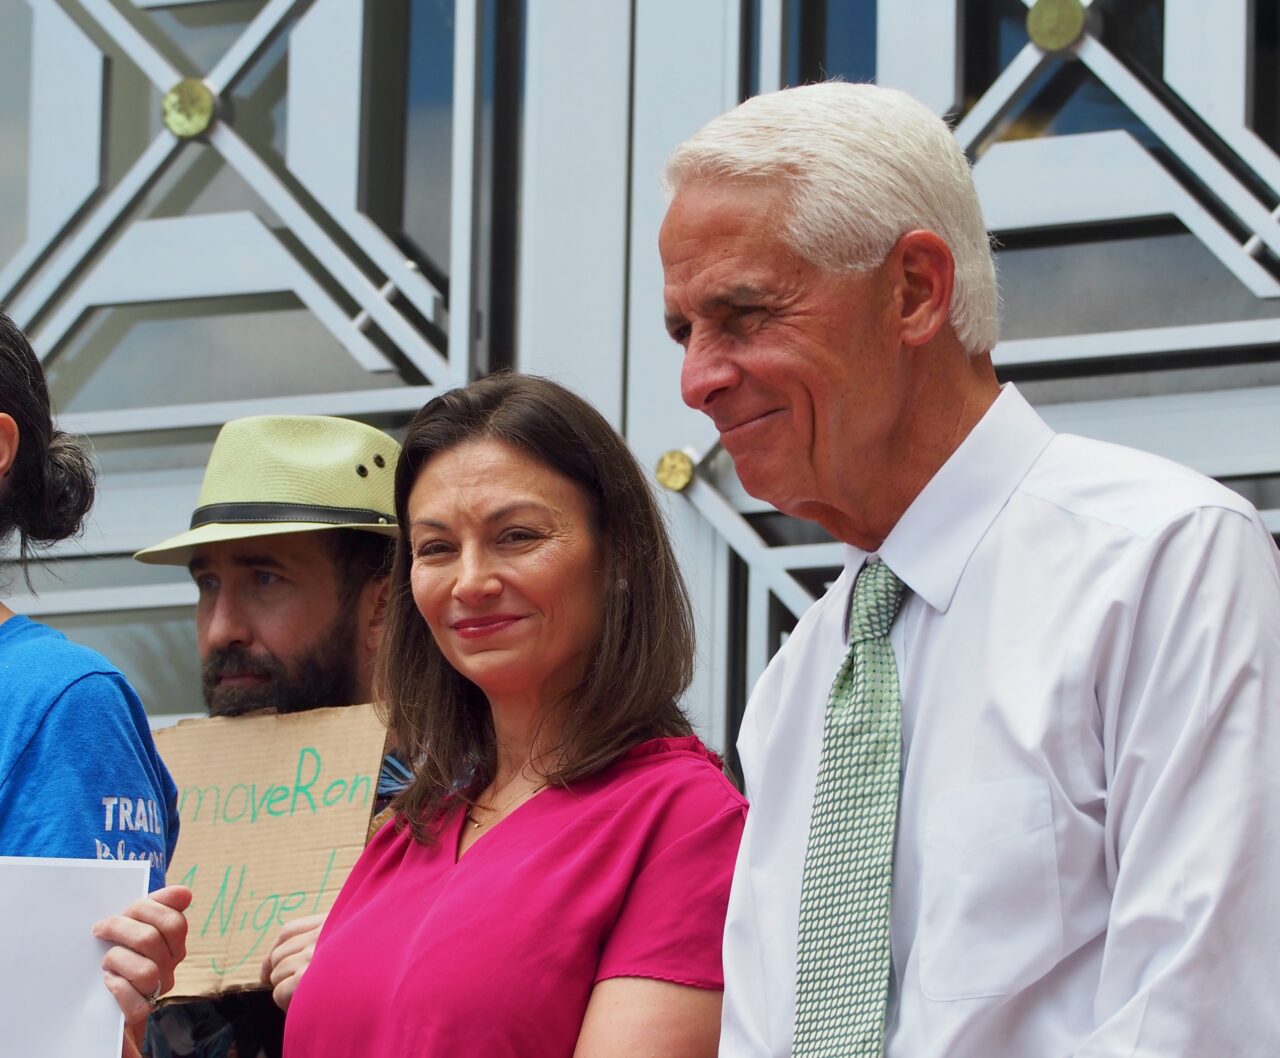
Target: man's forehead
281, 550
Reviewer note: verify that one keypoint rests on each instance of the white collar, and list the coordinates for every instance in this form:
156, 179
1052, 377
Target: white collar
934, 539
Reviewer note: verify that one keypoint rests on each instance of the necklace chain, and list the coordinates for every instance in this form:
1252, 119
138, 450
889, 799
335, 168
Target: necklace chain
498, 813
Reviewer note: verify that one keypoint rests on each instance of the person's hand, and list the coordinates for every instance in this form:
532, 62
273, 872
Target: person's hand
290, 956
149, 939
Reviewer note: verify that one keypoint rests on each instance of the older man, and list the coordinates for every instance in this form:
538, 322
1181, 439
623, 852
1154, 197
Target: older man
289, 546
1013, 778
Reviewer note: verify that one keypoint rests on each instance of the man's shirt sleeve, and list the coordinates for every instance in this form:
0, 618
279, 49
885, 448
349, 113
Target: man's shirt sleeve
1189, 694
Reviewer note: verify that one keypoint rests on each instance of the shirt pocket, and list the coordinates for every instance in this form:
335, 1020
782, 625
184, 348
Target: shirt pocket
991, 915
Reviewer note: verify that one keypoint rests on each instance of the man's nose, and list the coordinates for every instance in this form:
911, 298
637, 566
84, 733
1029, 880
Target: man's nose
707, 371
228, 624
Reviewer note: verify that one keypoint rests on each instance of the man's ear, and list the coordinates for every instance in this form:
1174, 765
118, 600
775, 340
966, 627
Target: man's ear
8, 442
925, 272
376, 592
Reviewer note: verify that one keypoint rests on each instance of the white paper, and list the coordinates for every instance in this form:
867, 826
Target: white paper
53, 1002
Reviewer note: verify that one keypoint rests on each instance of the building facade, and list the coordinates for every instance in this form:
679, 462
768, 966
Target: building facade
215, 208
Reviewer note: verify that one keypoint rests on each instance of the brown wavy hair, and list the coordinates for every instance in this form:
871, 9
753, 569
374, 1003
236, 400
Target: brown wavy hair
643, 659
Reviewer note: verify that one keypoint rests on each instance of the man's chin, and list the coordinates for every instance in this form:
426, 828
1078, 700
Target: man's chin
241, 701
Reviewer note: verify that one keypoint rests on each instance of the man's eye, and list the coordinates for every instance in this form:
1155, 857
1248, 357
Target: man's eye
262, 578
680, 335
206, 583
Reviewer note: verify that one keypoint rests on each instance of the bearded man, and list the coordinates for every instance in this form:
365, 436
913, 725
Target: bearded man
289, 545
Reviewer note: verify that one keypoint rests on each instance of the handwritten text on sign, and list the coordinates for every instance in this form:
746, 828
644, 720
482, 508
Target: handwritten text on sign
274, 811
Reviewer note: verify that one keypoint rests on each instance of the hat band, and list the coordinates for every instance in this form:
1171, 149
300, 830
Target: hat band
287, 512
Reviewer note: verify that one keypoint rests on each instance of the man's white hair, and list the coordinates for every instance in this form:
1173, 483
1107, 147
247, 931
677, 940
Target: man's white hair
860, 166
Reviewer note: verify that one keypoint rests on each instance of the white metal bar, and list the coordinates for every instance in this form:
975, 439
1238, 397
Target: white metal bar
1093, 177
249, 45
300, 223
588, 356
1060, 348
95, 228
323, 138
733, 49
1207, 61
1222, 433
771, 37
1215, 176
925, 64
808, 556
64, 157
136, 47
1000, 98
713, 662
757, 626
1205, 56
747, 543
215, 413
105, 600
462, 211
206, 255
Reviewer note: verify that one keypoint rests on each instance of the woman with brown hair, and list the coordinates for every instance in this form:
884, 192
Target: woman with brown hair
556, 880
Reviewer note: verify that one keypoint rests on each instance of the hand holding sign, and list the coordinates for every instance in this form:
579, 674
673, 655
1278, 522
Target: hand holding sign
149, 939
290, 956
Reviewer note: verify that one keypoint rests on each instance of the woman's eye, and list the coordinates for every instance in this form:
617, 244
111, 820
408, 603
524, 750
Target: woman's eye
518, 536
430, 549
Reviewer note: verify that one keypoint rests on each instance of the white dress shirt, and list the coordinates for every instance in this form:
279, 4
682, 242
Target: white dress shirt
1088, 846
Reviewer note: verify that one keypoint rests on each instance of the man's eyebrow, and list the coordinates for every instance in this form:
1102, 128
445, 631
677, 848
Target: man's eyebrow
263, 561
742, 294
736, 297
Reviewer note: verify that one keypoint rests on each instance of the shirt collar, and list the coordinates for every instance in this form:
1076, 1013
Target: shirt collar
935, 537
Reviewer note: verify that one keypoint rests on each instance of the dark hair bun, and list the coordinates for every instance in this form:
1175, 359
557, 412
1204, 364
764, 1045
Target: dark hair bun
58, 499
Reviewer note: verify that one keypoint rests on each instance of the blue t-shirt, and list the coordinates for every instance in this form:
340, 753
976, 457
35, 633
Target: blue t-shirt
79, 772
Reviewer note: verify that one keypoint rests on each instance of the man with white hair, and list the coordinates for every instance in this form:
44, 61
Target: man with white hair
1013, 778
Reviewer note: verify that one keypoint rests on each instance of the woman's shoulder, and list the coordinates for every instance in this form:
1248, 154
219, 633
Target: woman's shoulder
680, 769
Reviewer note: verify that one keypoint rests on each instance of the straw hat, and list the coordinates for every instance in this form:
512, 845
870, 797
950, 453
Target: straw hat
289, 474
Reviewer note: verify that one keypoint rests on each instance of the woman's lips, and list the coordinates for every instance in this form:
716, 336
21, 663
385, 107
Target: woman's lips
479, 627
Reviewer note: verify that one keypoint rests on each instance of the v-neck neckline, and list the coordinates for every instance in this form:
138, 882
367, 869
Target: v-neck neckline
461, 824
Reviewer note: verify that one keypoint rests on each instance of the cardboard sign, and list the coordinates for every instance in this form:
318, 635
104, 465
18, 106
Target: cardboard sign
274, 811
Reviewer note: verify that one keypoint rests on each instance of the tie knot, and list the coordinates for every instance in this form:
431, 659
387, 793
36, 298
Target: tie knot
877, 594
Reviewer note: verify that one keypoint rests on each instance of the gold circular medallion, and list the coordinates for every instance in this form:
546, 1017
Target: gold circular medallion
1055, 25
188, 108
675, 470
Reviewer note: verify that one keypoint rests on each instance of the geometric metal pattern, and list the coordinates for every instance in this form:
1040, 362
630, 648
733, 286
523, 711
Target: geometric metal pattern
88, 246
1094, 179
1188, 160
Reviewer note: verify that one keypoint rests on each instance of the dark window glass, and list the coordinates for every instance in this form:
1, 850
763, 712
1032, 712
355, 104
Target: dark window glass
829, 38
1266, 73
407, 182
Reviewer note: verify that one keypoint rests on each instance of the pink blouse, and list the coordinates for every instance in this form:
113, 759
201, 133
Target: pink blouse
625, 874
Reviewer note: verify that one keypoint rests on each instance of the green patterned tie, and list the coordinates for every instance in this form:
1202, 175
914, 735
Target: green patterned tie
842, 956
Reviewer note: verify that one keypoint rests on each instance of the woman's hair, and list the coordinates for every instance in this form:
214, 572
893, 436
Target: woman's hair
859, 167
643, 659
49, 487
